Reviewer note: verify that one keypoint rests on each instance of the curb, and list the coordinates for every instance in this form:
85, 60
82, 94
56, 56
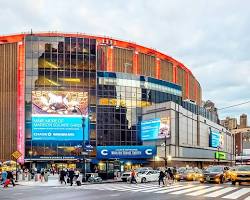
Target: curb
85, 183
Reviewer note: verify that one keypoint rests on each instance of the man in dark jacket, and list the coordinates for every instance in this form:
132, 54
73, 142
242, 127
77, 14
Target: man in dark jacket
71, 175
161, 178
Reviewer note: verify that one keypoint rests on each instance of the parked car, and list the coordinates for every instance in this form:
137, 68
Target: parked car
240, 174
146, 176
127, 175
214, 174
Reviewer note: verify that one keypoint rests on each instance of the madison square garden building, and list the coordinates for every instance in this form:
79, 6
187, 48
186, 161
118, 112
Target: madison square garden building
68, 96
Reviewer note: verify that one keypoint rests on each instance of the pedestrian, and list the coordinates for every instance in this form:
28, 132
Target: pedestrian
42, 175
170, 176
133, 177
77, 174
4, 177
161, 178
10, 178
62, 176
71, 176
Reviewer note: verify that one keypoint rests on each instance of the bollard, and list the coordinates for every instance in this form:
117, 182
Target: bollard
46, 177
36, 177
29, 177
23, 177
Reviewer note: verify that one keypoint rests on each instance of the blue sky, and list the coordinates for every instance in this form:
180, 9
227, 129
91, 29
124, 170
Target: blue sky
212, 38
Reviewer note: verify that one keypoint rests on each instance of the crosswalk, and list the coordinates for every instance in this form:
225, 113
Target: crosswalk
212, 191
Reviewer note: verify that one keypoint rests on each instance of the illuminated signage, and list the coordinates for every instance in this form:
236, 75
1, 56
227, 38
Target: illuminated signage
155, 129
220, 155
216, 139
59, 115
119, 152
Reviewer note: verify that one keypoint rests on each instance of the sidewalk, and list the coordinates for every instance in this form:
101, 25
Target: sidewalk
54, 182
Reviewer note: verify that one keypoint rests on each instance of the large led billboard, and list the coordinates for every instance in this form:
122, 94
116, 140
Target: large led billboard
59, 115
155, 129
216, 139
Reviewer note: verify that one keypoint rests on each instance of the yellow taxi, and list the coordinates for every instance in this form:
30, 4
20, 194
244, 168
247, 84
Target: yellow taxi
241, 174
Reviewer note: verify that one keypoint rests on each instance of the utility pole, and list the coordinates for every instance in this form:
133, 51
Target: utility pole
165, 145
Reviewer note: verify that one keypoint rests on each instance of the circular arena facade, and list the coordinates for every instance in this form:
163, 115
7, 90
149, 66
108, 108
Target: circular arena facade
106, 81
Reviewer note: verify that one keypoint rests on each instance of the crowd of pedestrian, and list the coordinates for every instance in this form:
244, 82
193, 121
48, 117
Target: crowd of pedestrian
71, 175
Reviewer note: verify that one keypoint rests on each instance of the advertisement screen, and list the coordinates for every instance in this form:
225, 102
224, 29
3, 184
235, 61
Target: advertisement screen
216, 139
155, 129
59, 115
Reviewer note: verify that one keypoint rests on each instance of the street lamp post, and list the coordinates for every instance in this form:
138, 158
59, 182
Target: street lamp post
218, 154
165, 150
83, 145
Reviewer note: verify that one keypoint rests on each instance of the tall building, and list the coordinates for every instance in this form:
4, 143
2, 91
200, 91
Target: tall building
243, 121
229, 123
61, 94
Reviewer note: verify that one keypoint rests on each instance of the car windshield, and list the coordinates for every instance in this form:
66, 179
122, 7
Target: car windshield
214, 169
189, 171
243, 168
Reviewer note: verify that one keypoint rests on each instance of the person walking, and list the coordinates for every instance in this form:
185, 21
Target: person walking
161, 178
62, 176
42, 175
170, 176
133, 177
4, 177
10, 178
77, 173
71, 175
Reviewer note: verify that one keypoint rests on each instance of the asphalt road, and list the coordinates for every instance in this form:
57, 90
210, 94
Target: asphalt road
124, 191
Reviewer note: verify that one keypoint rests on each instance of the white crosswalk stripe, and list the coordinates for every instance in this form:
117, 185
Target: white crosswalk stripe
248, 198
174, 189
237, 194
204, 191
195, 190
155, 189
220, 192
189, 190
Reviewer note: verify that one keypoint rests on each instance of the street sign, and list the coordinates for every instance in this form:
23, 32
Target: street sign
17, 154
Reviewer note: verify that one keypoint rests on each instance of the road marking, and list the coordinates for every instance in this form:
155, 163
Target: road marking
174, 189
238, 193
204, 191
189, 190
158, 188
248, 198
220, 192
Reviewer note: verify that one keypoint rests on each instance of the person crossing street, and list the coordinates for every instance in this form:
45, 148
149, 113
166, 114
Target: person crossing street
161, 178
133, 177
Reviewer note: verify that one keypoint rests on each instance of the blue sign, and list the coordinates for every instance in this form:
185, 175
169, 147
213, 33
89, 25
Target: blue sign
150, 129
215, 139
123, 152
56, 127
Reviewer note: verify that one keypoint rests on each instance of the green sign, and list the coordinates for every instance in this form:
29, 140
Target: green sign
220, 155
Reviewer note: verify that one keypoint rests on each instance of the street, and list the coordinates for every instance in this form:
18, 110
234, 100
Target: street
109, 191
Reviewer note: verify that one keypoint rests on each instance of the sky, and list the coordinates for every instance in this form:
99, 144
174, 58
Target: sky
211, 37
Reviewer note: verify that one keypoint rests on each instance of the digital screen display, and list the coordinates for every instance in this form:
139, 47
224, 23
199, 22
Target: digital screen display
155, 129
216, 139
59, 115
